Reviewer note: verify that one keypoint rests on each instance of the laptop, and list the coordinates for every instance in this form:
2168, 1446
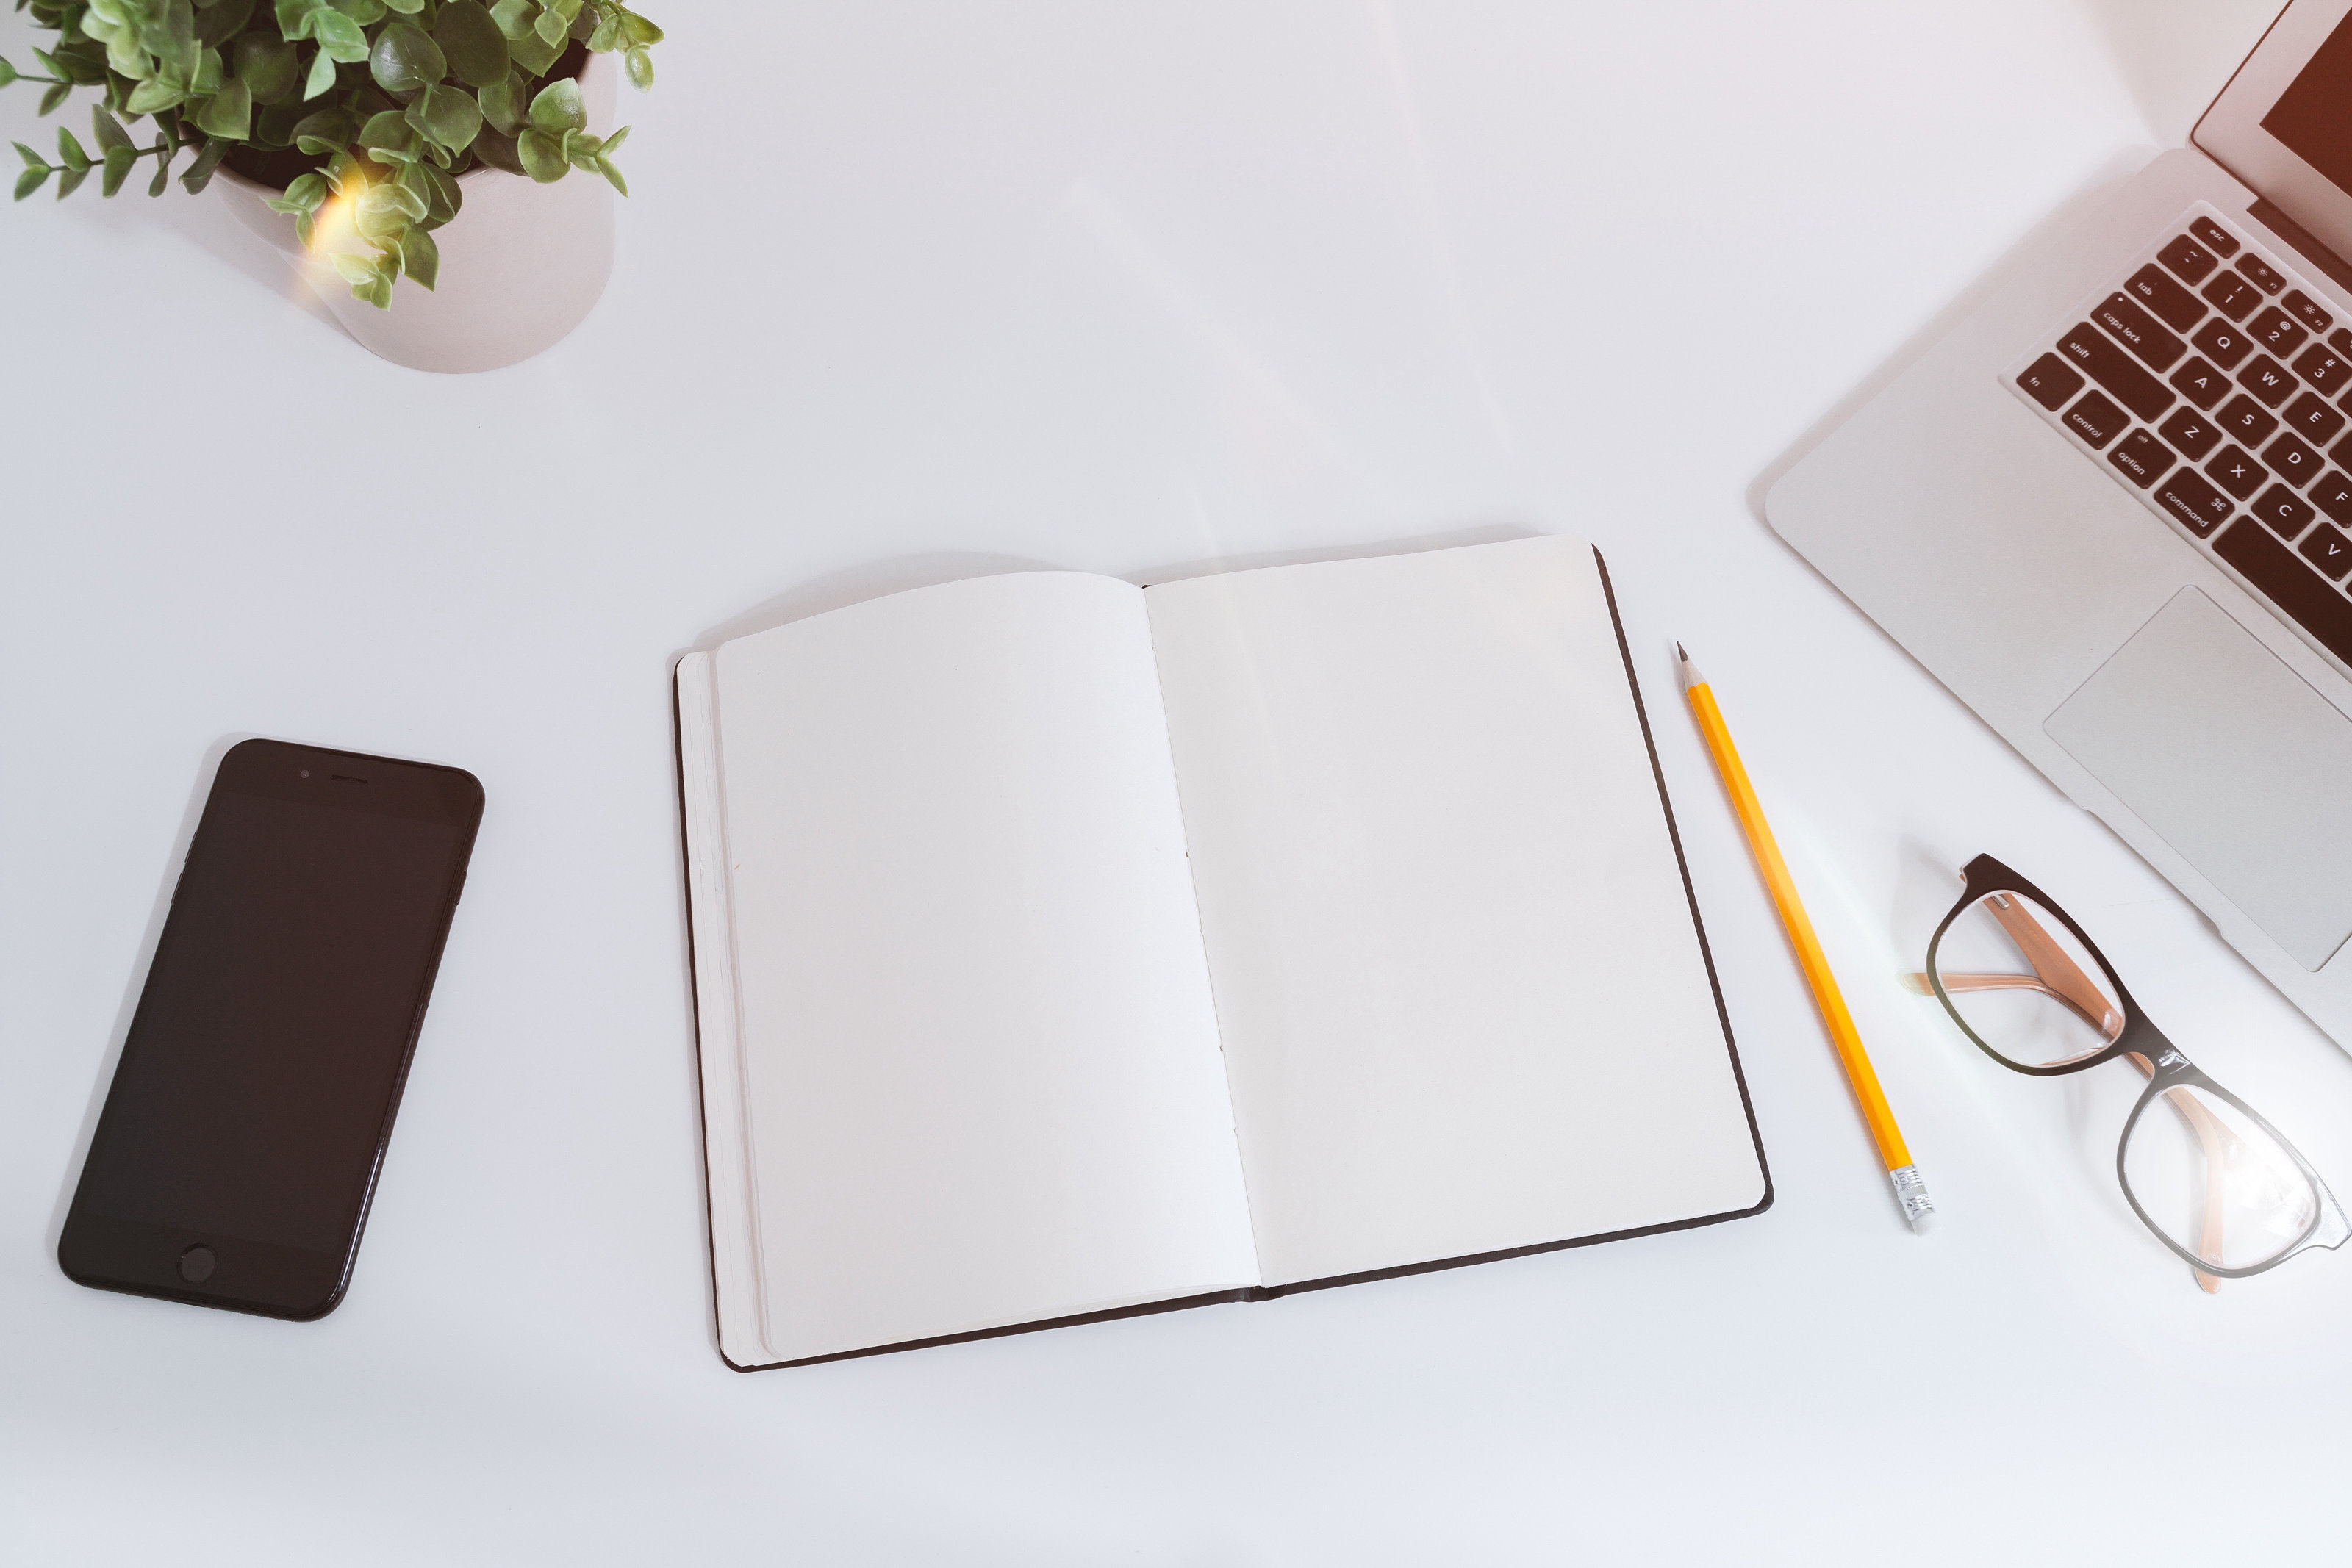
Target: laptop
2112, 510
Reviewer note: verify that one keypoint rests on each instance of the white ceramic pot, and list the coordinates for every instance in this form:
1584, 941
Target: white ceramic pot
521, 265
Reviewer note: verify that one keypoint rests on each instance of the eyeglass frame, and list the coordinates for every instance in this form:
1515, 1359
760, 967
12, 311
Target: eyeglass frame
2167, 1066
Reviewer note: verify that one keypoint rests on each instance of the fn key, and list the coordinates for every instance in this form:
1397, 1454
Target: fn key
2050, 382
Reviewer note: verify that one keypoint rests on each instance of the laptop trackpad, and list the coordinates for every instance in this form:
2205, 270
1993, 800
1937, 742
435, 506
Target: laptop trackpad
2235, 762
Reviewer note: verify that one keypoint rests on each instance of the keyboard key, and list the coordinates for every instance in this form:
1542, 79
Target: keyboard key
2266, 379
2323, 369
2235, 472
2231, 295
2187, 497
2306, 310
2199, 382
2222, 343
2245, 420
2283, 510
2302, 594
2328, 550
2097, 421
2310, 417
2340, 340
2274, 330
2333, 495
2140, 333
2173, 305
2186, 258
2213, 236
2191, 433
2260, 271
2094, 353
2050, 382
2141, 458
2292, 461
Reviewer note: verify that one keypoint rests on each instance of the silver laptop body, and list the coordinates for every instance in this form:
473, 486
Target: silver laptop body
2112, 511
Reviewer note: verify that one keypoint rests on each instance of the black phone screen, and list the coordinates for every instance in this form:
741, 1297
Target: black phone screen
240, 1140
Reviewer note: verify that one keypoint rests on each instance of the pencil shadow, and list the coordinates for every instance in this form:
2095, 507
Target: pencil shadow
135, 981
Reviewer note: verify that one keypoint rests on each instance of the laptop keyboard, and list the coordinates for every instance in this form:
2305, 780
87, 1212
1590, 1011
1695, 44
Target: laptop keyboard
2211, 383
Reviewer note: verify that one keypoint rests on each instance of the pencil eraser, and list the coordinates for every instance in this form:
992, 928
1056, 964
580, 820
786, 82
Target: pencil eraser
1911, 1192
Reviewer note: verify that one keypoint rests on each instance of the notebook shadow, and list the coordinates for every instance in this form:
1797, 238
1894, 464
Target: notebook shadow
135, 980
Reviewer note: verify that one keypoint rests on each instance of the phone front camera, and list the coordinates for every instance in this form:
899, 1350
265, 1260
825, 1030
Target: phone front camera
306, 773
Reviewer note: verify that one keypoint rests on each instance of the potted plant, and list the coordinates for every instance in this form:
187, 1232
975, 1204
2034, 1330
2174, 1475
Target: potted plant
350, 133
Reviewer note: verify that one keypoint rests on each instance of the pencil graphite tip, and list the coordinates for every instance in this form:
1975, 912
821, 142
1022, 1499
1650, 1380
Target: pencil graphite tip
1691, 677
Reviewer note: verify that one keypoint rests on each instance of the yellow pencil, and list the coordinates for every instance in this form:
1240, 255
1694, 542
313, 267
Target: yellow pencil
1910, 1188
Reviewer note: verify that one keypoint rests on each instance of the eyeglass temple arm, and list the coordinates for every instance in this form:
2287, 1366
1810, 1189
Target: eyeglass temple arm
2058, 971
2214, 1138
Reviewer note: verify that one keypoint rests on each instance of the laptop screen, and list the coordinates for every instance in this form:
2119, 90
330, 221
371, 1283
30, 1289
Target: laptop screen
2310, 117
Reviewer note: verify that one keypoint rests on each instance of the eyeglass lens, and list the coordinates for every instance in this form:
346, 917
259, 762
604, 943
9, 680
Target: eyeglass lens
2023, 985
2206, 1175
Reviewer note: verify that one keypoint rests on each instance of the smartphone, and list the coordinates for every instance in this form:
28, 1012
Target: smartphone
238, 1150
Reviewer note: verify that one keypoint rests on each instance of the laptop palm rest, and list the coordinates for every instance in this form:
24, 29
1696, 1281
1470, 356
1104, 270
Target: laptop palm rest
2235, 761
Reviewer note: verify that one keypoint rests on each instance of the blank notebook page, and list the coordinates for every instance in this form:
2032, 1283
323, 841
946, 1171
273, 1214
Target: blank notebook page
979, 1054
1461, 995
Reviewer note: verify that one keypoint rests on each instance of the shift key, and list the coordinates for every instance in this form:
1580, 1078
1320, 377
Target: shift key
2098, 356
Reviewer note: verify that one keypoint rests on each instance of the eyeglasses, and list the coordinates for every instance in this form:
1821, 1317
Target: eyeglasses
2213, 1180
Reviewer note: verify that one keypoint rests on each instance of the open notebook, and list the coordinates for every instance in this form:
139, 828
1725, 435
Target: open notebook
1065, 948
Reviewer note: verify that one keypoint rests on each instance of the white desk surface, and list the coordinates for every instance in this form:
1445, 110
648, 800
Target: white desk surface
911, 291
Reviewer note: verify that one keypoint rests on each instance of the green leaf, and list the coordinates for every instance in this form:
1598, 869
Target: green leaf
273, 127
641, 69
447, 115
219, 22
294, 17
306, 229
605, 167
551, 27
498, 150
406, 59
30, 181
606, 36
558, 107
542, 156
390, 139
444, 198
169, 34
151, 96
513, 17
339, 35
118, 160
613, 142
383, 212
70, 153
476, 48
366, 13
200, 172
209, 78
307, 192
70, 180
8, 72
32, 158
108, 130
406, 7
163, 179
322, 77
420, 258
268, 66
642, 33
534, 55
227, 115
356, 270
53, 97
504, 106
326, 132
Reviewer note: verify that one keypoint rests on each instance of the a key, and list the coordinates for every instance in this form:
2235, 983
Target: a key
2333, 495
2328, 550
2222, 343
2141, 458
2189, 259
2282, 511
2265, 278
2098, 421
2199, 382
2274, 330
2050, 382
2231, 295
2191, 433
2292, 461
2140, 333
2310, 417
2266, 379
2245, 420
2306, 310
2213, 237
2094, 353
2323, 369
2173, 305
2185, 495
2234, 471
2291, 585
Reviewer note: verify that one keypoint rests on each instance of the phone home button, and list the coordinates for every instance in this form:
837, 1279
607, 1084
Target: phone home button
196, 1265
